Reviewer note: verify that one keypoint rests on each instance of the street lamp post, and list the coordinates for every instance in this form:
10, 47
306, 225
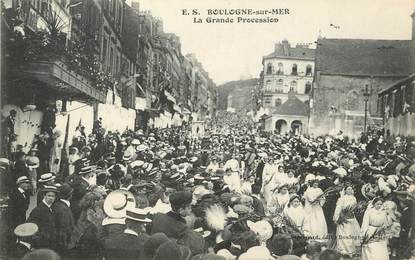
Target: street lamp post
366, 95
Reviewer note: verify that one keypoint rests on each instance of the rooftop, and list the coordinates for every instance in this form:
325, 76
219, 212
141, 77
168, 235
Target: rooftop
292, 107
284, 50
361, 57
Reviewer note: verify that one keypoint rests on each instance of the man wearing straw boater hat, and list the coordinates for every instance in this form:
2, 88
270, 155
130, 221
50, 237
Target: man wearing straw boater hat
80, 187
43, 217
19, 202
46, 179
24, 234
129, 244
115, 208
65, 223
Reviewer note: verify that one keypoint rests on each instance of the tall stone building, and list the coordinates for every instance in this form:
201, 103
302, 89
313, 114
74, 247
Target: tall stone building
287, 72
343, 69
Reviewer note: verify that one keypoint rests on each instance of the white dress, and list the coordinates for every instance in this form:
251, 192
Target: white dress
315, 222
269, 182
377, 247
297, 215
347, 233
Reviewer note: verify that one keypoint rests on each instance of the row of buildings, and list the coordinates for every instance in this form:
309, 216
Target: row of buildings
342, 84
70, 62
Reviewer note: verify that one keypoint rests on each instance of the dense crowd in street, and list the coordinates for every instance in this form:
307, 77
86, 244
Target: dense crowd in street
236, 193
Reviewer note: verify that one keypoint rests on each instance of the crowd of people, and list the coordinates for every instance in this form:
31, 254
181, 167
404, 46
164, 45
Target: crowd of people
236, 193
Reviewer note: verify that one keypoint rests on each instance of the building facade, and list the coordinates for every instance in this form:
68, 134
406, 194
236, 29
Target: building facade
287, 71
340, 87
397, 106
103, 59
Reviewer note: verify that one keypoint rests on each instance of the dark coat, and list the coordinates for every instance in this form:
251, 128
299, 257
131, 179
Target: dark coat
65, 224
124, 246
258, 206
19, 250
172, 224
18, 205
110, 230
43, 217
80, 188
20, 169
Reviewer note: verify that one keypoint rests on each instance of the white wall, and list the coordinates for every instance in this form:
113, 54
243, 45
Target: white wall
287, 78
79, 113
27, 124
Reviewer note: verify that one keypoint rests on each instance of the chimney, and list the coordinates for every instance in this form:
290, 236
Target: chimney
136, 6
413, 25
286, 47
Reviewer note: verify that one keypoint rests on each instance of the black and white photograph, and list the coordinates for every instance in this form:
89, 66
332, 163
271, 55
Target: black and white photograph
207, 129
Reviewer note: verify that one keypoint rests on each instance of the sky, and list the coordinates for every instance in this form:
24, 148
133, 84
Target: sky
234, 51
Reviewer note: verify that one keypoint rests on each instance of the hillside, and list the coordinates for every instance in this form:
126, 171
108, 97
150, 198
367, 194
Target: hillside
239, 88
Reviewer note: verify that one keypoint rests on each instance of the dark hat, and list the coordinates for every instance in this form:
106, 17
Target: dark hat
169, 250
65, 190
194, 241
26, 230
152, 244
180, 199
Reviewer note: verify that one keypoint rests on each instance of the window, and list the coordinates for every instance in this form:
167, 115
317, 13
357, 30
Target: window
44, 8
104, 51
293, 86
268, 100
114, 7
279, 86
280, 69
352, 100
269, 68
308, 70
268, 85
111, 59
307, 88
278, 102
294, 69
117, 64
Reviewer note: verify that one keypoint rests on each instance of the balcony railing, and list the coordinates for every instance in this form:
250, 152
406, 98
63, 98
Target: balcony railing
57, 75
